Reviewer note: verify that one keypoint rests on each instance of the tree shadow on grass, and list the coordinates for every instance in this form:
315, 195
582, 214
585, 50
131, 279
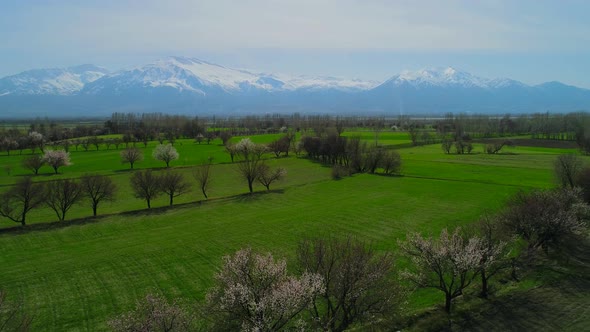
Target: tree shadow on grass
129, 170
255, 196
389, 175
40, 175
50, 226
54, 225
561, 303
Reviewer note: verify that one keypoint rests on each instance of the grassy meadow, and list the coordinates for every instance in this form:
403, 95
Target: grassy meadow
76, 274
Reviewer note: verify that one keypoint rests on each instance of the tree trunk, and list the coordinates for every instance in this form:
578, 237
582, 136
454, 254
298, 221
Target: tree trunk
204, 194
94, 209
149, 205
448, 299
250, 186
55, 169
171, 199
484, 284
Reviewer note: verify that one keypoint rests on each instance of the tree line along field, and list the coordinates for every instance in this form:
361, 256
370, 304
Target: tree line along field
80, 272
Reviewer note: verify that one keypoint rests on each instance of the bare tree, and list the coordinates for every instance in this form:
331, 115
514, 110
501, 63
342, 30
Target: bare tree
202, 173
85, 144
546, 218
358, 284
116, 142
225, 137
24, 196
448, 264
7, 144
61, 195
281, 145
567, 167
131, 156
372, 159
97, 188
446, 145
267, 176
66, 145
173, 184
12, 315
583, 181
231, 150
145, 185
413, 132
209, 136
154, 313
108, 143
57, 159
391, 162
96, 141
493, 148
494, 251
165, 153
34, 163
253, 292
250, 155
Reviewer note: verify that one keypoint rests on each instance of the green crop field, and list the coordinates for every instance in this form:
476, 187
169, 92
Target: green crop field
76, 274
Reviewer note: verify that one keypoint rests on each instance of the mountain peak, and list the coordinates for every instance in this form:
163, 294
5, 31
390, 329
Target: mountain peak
448, 76
450, 71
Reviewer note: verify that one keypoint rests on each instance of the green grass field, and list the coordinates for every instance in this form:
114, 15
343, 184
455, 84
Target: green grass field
76, 274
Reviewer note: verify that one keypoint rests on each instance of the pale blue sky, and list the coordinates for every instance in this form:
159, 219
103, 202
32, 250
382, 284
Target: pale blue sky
532, 41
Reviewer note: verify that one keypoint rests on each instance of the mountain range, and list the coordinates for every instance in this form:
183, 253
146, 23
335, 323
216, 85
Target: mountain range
183, 85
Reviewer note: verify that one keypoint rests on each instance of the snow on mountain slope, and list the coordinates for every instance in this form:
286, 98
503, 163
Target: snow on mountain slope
204, 78
54, 81
447, 77
322, 82
188, 85
183, 74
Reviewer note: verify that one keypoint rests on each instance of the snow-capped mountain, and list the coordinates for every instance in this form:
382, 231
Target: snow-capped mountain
204, 78
193, 86
451, 90
448, 77
437, 77
54, 81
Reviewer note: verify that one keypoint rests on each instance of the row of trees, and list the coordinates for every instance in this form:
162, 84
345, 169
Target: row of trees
59, 195
59, 158
157, 126
465, 146
147, 185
